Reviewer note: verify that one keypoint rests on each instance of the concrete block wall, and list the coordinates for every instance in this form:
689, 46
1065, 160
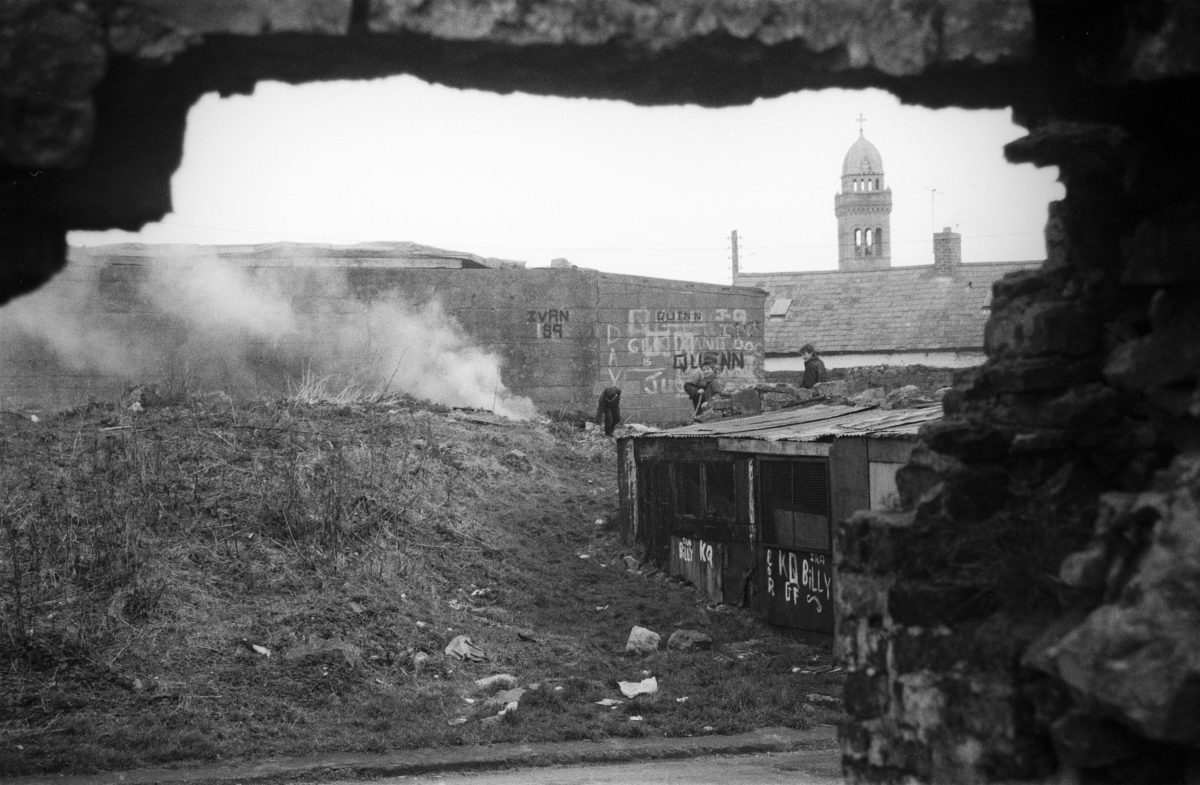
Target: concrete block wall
652, 332
561, 334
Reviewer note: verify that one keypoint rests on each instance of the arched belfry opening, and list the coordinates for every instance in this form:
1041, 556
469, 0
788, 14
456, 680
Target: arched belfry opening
863, 208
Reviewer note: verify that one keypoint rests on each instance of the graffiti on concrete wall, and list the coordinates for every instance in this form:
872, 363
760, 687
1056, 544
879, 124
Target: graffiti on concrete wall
699, 562
798, 578
548, 323
690, 550
655, 348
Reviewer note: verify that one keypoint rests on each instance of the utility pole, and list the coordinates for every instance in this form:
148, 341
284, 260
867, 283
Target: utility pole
932, 192
734, 247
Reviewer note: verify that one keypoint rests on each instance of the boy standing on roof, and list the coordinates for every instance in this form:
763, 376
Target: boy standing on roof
814, 367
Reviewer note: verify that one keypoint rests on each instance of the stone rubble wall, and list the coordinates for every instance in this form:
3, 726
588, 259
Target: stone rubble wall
1030, 613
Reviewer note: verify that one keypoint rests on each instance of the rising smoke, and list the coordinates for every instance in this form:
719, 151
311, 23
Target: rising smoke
208, 323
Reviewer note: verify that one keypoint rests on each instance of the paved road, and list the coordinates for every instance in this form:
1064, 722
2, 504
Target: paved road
765, 755
806, 767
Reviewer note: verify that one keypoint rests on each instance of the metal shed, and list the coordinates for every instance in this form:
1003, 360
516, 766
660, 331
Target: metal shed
745, 507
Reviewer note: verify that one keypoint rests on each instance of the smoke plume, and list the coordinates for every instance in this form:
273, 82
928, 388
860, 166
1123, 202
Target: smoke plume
208, 323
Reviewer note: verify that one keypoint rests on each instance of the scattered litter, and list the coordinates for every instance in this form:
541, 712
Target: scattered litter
254, 647
33, 418
708, 728
631, 689
558, 688
457, 721
611, 703
419, 659
585, 556
636, 718
469, 700
601, 607
421, 624
599, 521
684, 699
500, 681
357, 607
462, 648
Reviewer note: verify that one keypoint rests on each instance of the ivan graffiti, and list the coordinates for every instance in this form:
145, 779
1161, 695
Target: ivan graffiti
548, 323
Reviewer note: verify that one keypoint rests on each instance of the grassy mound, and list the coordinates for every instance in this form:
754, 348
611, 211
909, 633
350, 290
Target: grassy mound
217, 580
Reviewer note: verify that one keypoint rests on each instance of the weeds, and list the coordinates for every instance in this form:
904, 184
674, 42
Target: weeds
149, 558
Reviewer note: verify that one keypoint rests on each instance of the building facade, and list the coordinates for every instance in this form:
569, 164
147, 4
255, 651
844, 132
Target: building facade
867, 313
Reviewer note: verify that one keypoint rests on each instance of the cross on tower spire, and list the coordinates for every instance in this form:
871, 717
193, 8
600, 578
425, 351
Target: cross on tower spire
861, 120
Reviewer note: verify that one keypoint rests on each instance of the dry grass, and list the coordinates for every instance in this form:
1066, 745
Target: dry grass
148, 560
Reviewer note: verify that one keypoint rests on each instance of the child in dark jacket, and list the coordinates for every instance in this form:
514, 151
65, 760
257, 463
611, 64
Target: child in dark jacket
608, 409
814, 367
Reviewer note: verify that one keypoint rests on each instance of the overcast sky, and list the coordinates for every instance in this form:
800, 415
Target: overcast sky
624, 189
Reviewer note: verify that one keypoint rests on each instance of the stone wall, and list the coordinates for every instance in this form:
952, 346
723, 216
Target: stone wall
1020, 617
928, 378
653, 332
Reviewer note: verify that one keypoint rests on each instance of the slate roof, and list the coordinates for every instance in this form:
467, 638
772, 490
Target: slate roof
899, 309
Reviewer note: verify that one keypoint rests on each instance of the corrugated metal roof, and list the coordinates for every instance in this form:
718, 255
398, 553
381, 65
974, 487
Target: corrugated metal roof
810, 423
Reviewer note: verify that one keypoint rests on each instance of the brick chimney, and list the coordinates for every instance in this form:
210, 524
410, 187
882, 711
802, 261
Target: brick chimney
947, 251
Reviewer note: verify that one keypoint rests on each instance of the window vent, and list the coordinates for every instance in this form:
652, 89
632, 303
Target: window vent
795, 504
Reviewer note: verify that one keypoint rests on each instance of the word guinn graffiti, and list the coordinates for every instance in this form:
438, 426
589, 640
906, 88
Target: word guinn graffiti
679, 316
725, 360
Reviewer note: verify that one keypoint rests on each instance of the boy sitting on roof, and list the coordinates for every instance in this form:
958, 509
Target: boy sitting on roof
698, 384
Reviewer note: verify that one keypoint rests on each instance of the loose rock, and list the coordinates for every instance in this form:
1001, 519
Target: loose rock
642, 641
684, 640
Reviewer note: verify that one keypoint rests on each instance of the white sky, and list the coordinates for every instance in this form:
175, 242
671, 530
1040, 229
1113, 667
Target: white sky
607, 185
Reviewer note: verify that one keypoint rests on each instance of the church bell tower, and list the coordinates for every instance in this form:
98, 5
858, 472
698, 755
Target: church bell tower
863, 209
